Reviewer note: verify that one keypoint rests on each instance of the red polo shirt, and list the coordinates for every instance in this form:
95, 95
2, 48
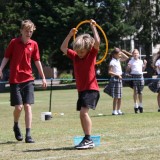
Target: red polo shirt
20, 56
84, 70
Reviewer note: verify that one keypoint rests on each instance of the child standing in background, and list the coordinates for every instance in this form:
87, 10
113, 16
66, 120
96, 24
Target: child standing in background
83, 55
155, 86
114, 88
136, 67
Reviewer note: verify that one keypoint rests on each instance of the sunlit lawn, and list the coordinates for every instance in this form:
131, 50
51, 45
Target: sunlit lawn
128, 137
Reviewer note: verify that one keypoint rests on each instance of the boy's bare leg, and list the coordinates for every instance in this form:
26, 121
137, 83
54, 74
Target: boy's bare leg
28, 122
16, 129
85, 121
86, 126
28, 115
17, 112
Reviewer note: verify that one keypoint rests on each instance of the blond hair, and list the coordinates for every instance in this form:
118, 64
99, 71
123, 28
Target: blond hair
84, 41
28, 24
135, 51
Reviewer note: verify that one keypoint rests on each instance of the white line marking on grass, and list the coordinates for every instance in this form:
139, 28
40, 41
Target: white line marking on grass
97, 153
8, 102
72, 156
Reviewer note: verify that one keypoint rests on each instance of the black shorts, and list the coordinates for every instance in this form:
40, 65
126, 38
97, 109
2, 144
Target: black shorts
22, 93
88, 98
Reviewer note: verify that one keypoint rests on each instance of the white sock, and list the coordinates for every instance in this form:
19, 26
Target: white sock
135, 105
140, 104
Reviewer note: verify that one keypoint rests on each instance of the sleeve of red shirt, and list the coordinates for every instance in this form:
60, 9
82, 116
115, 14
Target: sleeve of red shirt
94, 51
36, 55
71, 53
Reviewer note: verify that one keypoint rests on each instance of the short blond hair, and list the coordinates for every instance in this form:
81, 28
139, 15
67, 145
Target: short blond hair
84, 41
27, 24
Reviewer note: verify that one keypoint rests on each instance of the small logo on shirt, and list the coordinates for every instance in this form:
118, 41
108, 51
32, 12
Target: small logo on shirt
30, 48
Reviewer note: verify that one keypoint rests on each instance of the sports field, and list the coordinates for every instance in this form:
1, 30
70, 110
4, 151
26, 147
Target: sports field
128, 137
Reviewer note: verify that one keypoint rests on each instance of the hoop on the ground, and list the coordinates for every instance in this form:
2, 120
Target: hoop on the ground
106, 40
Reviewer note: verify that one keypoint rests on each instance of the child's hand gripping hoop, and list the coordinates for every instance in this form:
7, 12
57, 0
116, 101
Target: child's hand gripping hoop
106, 40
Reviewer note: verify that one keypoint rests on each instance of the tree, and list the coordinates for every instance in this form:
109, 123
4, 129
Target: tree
146, 13
9, 23
111, 16
54, 19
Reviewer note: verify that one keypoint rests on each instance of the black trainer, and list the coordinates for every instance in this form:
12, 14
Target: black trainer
140, 109
29, 140
136, 110
85, 144
17, 134
159, 110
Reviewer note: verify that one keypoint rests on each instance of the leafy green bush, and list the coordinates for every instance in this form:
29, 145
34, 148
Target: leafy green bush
65, 78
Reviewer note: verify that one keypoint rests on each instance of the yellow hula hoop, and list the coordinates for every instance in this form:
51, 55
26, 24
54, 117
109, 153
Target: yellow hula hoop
106, 40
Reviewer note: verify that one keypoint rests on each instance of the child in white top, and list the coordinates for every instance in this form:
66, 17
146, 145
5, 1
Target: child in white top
114, 88
136, 67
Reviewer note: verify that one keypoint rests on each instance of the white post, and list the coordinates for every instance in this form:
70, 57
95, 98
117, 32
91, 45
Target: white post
140, 54
132, 43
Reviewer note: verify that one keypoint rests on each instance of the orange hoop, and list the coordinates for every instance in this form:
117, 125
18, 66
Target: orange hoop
106, 40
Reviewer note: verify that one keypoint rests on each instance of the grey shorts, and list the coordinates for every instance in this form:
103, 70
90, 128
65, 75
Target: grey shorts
22, 93
88, 98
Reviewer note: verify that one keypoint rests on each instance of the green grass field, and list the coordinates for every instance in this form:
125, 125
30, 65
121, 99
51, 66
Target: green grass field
128, 137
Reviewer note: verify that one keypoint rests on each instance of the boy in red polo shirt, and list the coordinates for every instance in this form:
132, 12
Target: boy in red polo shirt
20, 52
83, 55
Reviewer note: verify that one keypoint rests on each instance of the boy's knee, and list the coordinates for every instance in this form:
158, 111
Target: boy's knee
18, 108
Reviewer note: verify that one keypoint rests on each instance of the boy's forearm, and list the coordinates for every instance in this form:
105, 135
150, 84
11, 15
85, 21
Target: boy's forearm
64, 45
4, 62
40, 69
96, 35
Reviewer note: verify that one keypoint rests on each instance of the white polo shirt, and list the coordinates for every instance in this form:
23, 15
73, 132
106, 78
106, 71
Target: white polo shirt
157, 64
115, 63
136, 66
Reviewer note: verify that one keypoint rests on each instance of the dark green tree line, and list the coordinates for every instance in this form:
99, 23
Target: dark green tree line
54, 19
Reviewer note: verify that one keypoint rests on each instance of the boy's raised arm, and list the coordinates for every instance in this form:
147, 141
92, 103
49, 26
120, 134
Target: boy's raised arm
95, 33
64, 45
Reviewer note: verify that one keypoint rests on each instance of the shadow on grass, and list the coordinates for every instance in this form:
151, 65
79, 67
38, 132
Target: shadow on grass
103, 115
50, 149
9, 142
132, 113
